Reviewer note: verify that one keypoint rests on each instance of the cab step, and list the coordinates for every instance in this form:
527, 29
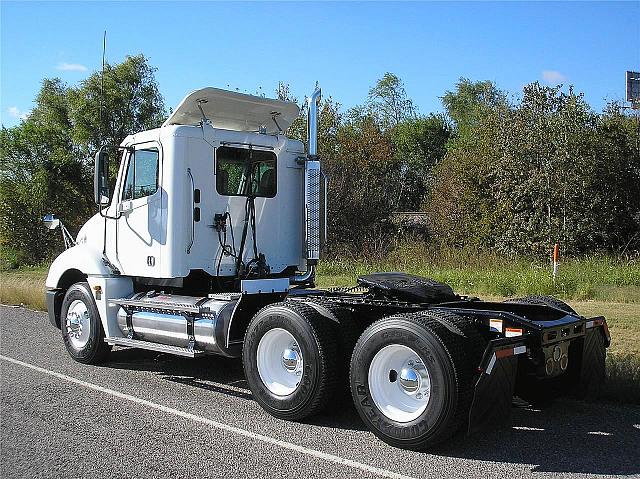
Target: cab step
161, 348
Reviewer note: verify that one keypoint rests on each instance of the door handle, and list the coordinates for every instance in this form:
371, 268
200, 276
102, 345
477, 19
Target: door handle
193, 204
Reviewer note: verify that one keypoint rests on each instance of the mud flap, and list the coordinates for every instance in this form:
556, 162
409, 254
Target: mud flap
592, 374
493, 393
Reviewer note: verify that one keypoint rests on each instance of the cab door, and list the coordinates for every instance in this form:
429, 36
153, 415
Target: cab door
140, 231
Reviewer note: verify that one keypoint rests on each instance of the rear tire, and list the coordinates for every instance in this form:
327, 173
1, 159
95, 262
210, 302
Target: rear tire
81, 326
401, 356
290, 360
346, 330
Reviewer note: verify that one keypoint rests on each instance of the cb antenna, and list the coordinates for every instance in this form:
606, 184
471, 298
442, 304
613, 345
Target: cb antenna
104, 49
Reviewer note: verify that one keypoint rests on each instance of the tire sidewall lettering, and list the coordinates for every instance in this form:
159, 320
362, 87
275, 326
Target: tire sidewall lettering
301, 396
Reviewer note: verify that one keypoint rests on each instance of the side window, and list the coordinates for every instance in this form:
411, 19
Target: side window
142, 180
244, 172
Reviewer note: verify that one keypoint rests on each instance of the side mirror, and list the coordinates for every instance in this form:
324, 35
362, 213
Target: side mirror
51, 222
101, 178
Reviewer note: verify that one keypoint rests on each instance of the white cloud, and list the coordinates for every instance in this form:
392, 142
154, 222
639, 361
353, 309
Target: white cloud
553, 77
71, 67
15, 112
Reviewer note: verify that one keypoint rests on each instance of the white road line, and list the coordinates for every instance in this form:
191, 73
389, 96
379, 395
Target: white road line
218, 425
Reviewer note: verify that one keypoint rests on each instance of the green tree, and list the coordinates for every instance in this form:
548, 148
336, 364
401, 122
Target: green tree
105, 109
40, 172
617, 175
548, 169
419, 144
359, 201
44, 164
388, 102
469, 104
461, 206
283, 92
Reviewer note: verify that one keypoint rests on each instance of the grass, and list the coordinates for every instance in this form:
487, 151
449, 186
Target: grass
24, 287
593, 286
470, 272
623, 356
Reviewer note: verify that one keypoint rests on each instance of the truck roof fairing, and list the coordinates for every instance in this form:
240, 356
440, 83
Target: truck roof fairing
230, 110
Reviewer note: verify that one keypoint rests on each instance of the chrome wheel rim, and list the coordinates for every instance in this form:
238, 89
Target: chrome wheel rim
280, 362
399, 383
78, 324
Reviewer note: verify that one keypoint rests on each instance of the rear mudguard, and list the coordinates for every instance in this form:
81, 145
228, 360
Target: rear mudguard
491, 404
493, 394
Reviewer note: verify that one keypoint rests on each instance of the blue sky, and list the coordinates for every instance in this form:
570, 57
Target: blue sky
346, 46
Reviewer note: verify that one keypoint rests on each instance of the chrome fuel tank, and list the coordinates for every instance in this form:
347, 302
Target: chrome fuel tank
163, 319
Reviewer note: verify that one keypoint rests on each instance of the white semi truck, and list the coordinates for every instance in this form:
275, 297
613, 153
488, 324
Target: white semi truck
208, 243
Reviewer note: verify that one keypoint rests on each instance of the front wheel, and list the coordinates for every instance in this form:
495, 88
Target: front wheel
81, 327
290, 360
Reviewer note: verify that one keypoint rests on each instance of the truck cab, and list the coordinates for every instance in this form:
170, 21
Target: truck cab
215, 198
218, 163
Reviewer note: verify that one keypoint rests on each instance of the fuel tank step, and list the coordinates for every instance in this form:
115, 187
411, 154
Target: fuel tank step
161, 348
158, 305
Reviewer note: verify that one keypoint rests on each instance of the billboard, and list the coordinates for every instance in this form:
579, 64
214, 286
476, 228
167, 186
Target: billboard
633, 88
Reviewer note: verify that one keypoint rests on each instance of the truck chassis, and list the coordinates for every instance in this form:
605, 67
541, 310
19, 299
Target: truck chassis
421, 362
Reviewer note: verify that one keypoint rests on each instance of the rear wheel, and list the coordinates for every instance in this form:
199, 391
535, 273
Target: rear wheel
346, 330
589, 379
290, 360
412, 379
81, 327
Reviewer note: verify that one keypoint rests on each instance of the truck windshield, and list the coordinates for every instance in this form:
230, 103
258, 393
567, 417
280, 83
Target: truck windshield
245, 172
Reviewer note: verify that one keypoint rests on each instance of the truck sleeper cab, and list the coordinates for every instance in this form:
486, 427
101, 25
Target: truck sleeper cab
208, 245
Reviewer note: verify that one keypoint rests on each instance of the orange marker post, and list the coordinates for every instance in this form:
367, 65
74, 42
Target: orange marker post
556, 254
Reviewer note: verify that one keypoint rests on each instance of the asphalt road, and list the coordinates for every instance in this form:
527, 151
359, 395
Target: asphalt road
145, 414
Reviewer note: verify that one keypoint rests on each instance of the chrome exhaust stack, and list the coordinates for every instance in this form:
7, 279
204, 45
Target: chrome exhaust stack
312, 192
307, 277
313, 111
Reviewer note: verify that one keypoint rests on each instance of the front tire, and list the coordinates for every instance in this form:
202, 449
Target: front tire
290, 360
81, 327
412, 378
